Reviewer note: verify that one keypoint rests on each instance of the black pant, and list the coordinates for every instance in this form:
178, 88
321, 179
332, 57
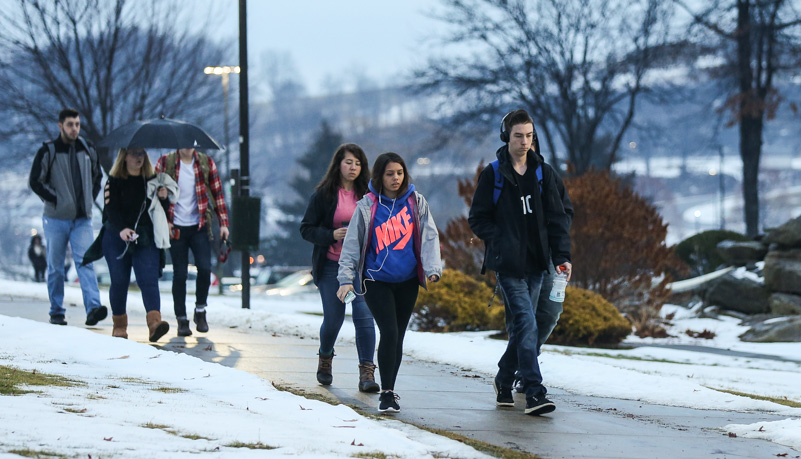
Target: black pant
392, 305
198, 242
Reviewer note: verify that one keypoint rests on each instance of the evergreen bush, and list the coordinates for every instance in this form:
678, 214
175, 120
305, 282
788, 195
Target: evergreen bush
457, 302
700, 252
589, 320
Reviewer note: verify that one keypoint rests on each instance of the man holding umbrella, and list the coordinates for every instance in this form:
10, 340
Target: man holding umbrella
190, 220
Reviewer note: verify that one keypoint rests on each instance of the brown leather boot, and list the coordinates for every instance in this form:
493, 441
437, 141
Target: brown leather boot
324, 375
367, 378
157, 327
120, 329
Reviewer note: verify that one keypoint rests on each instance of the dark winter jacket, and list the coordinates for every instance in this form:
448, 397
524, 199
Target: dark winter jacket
502, 226
51, 178
317, 227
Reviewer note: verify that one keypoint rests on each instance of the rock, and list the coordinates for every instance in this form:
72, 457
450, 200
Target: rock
783, 271
742, 295
741, 253
788, 235
775, 330
784, 304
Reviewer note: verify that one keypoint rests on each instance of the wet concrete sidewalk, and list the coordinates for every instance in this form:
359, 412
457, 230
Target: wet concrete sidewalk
443, 397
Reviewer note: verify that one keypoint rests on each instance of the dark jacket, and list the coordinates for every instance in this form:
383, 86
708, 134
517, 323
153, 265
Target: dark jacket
51, 177
317, 227
502, 226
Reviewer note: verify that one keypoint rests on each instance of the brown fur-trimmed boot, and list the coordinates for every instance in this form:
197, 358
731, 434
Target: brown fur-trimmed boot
367, 378
120, 329
157, 327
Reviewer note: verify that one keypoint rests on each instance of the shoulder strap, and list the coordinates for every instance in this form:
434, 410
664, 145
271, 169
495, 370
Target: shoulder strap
539, 177
498, 183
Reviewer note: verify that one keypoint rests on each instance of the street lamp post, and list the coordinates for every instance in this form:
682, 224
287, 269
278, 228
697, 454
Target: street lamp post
224, 72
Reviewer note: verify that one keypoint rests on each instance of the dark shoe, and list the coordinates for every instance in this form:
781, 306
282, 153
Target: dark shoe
200, 321
503, 395
388, 402
324, 375
96, 315
183, 327
367, 378
536, 406
58, 319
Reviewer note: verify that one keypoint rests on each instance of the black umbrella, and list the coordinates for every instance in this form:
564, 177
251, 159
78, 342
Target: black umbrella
159, 133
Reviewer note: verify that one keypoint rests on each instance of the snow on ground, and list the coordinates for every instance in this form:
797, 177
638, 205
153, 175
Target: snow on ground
658, 375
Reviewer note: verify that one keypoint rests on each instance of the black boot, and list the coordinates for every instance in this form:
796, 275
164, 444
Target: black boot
324, 375
183, 326
200, 320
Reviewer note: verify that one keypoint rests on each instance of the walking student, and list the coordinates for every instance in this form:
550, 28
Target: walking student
129, 242
66, 175
325, 225
522, 208
390, 250
190, 220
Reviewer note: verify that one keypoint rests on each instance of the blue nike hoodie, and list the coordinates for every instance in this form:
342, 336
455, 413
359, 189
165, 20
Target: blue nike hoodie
390, 257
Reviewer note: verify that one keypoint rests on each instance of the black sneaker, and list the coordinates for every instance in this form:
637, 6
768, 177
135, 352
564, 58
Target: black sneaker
58, 319
503, 395
388, 402
96, 315
200, 320
536, 406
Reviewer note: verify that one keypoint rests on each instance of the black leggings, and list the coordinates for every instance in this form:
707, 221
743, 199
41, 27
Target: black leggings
392, 305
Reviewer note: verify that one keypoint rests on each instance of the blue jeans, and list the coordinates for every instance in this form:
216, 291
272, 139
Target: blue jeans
78, 233
522, 297
547, 314
334, 316
198, 242
145, 263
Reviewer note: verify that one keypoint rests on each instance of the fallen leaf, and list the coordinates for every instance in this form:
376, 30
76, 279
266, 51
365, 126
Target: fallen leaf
761, 429
732, 435
120, 358
304, 409
107, 439
208, 348
344, 427
782, 455
353, 443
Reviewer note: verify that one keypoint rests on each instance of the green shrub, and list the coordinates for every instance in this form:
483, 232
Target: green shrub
700, 250
457, 302
589, 320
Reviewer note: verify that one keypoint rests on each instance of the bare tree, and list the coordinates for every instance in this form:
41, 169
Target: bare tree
756, 41
577, 66
113, 61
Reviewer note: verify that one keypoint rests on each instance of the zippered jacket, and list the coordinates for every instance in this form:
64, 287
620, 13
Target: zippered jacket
51, 178
425, 238
317, 227
502, 225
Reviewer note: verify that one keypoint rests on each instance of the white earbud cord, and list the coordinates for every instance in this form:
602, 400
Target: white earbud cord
386, 249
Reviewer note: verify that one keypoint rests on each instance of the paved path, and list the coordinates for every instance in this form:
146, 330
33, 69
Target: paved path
444, 397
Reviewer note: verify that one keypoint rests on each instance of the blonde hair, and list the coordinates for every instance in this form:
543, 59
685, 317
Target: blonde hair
120, 170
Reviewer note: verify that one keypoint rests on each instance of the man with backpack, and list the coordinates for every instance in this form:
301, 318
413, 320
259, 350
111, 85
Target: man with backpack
517, 211
66, 175
190, 228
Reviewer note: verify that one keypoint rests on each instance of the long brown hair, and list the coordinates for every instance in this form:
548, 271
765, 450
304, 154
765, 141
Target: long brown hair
119, 170
380, 167
331, 181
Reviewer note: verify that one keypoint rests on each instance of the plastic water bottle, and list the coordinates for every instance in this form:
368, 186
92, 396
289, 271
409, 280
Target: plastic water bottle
558, 289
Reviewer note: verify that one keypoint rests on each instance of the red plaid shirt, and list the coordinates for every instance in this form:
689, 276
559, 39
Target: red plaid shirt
200, 189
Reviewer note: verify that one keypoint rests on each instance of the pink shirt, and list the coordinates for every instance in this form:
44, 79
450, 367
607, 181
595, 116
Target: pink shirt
346, 205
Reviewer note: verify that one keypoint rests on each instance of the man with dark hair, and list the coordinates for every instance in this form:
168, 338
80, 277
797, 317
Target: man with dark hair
517, 205
66, 175
190, 224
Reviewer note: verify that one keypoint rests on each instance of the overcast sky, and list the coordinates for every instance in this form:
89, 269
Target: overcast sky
341, 39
